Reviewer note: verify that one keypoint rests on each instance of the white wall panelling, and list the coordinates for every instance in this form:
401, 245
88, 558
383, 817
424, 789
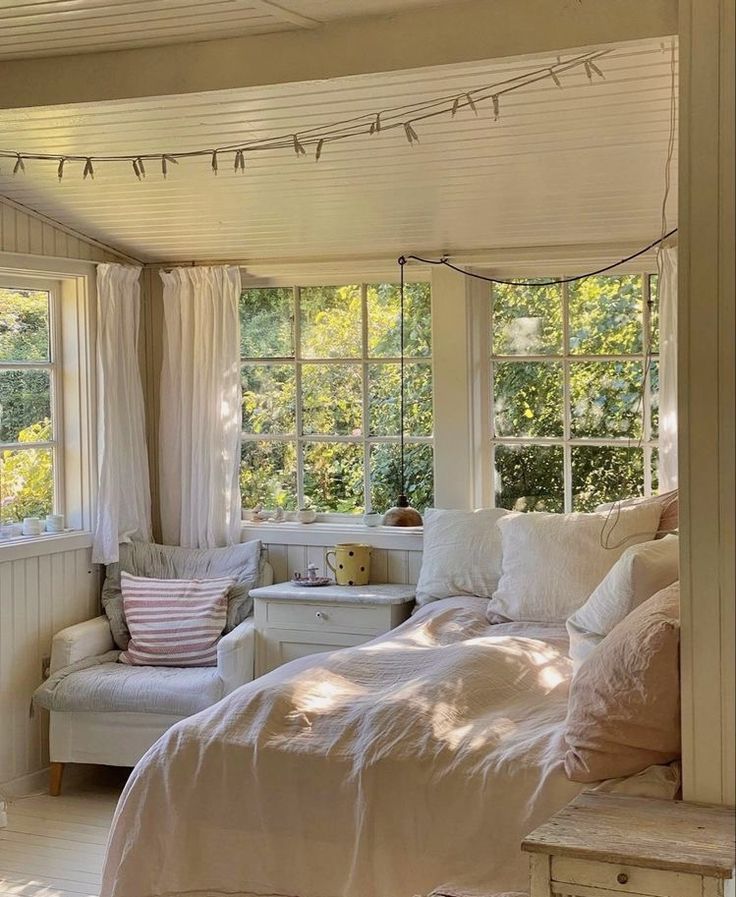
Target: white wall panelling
396, 557
394, 565
706, 402
39, 595
48, 585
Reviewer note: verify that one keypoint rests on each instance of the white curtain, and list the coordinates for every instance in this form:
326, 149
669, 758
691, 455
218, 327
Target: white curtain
668, 370
199, 435
123, 499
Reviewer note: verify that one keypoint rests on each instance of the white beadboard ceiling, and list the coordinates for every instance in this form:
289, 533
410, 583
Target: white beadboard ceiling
57, 27
582, 164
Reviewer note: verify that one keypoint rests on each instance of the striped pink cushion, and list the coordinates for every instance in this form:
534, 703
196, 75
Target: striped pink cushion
174, 622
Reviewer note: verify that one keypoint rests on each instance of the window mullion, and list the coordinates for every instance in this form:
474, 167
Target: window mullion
646, 423
367, 504
566, 410
298, 399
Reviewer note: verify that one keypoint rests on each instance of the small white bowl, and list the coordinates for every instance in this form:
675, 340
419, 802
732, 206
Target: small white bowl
306, 515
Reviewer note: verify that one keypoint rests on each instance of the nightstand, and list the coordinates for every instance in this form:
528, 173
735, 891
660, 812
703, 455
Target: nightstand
295, 621
606, 845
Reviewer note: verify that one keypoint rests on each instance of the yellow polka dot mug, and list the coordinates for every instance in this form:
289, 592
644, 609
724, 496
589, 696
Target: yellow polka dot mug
352, 566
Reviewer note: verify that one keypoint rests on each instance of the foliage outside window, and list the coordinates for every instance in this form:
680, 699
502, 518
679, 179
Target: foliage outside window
321, 411
574, 386
29, 469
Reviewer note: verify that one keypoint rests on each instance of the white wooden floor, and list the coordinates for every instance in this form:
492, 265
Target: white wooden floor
54, 846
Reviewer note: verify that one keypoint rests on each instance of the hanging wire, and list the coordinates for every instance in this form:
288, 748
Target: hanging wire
402, 385
539, 283
614, 513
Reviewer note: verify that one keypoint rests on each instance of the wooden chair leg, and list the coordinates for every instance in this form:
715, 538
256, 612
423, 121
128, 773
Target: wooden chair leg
56, 773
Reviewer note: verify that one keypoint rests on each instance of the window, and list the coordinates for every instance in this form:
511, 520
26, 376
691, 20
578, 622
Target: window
574, 386
30, 417
320, 370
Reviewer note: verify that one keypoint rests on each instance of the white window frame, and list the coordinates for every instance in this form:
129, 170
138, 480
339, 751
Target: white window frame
566, 359
298, 362
74, 391
56, 443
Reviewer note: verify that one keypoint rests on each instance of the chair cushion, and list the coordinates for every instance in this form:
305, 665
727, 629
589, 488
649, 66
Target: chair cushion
115, 687
240, 562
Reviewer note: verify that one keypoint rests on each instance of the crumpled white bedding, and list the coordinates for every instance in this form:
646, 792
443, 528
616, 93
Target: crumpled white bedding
412, 763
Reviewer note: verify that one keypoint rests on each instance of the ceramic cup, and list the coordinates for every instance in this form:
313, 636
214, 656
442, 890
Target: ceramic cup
54, 523
306, 515
32, 526
352, 565
372, 519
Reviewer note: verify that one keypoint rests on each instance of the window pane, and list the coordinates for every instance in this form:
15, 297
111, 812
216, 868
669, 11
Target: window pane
26, 484
386, 476
333, 477
331, 322
654, 313
266, 323
332, 401
654, 398
527, 320
605, 399
25, 406
529, 477
605, 473
606, 315
269, 397
385, 401
268, 474
24, 325
527, 398
655, 471
384, 337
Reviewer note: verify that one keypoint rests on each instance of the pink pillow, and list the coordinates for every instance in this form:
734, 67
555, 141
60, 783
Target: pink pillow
624, 708
174, 622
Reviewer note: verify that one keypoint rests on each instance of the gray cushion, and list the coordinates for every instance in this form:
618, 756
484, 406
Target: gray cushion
242, 562
102, 685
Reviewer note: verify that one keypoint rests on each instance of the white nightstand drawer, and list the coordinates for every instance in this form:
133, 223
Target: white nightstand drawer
625, 879
334, 617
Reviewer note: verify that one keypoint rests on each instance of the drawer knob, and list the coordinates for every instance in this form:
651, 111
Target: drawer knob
321, 616
622, 878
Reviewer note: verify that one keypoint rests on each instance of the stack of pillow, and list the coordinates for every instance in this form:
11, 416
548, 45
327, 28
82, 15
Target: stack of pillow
611, 577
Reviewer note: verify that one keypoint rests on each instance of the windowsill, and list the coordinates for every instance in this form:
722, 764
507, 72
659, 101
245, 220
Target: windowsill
47, 543
328, 534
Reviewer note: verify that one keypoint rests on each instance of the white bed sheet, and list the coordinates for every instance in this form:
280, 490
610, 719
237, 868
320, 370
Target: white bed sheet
415, 762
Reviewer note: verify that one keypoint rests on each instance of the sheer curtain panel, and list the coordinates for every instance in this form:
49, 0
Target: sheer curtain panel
124, 498
200, 426
668, 370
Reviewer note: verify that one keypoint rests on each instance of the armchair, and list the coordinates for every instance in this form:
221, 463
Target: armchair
102, 711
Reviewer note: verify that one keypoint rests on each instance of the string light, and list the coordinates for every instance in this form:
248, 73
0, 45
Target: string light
404, 117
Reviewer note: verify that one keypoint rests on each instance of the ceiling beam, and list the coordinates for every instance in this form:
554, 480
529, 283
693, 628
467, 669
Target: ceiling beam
461, 31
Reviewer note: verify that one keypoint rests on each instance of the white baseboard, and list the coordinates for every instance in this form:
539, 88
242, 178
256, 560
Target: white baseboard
23, 786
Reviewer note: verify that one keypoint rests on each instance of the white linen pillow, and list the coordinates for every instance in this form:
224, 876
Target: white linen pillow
462, 554
552, 562
640, 572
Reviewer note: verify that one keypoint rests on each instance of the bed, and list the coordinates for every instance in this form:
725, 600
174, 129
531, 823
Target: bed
413, 763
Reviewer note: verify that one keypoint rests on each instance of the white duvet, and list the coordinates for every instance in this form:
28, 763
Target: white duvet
412, 763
